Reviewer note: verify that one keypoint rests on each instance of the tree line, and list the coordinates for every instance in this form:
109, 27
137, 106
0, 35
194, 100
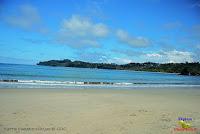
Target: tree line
180, 68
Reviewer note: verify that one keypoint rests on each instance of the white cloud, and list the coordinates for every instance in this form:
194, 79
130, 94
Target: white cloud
124, 37
93, 56
119, 60
170, 56
100, 57
26, 17
128, 52
80, 32
153, 55
178, 56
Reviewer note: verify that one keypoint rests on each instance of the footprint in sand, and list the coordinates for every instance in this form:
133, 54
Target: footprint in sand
133, 114
165, 127
165, 118
22, 114
142, 111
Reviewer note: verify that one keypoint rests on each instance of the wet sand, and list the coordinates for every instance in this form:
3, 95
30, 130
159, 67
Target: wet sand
97, 111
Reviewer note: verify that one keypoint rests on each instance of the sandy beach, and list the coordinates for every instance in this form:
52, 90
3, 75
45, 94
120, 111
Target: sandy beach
97, 111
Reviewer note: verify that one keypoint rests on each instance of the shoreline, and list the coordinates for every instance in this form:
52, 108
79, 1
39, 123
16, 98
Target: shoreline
107, 88
13, 83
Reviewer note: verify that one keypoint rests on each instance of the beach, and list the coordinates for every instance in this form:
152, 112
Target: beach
97, 111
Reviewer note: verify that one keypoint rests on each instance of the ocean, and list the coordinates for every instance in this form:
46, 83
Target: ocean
34, 76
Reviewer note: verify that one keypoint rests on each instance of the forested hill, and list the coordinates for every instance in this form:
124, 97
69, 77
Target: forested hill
180, 68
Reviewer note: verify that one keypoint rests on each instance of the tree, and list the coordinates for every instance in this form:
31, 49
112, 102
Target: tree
185, 71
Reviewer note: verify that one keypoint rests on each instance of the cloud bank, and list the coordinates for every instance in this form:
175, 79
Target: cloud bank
171, 56
26, 17
125, 38
79, 32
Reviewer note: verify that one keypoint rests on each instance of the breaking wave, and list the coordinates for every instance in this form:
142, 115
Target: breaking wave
63, 84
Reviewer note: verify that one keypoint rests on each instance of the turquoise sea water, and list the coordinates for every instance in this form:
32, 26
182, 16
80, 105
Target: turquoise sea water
33, 76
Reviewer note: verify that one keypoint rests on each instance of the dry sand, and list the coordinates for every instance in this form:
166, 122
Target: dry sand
92, 111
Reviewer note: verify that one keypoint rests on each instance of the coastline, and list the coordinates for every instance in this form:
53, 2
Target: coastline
23, 76
89, 111
190, 69
37, 84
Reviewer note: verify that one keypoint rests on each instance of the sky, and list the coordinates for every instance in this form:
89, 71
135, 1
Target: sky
108, 31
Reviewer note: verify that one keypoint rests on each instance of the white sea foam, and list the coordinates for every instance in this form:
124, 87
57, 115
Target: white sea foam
60, 84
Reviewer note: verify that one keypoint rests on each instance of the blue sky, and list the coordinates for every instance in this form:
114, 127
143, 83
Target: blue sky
111, 31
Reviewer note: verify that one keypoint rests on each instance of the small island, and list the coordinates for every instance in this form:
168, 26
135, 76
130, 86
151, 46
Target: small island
179, 68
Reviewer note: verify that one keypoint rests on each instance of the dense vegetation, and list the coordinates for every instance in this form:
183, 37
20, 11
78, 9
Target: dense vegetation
180, 68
